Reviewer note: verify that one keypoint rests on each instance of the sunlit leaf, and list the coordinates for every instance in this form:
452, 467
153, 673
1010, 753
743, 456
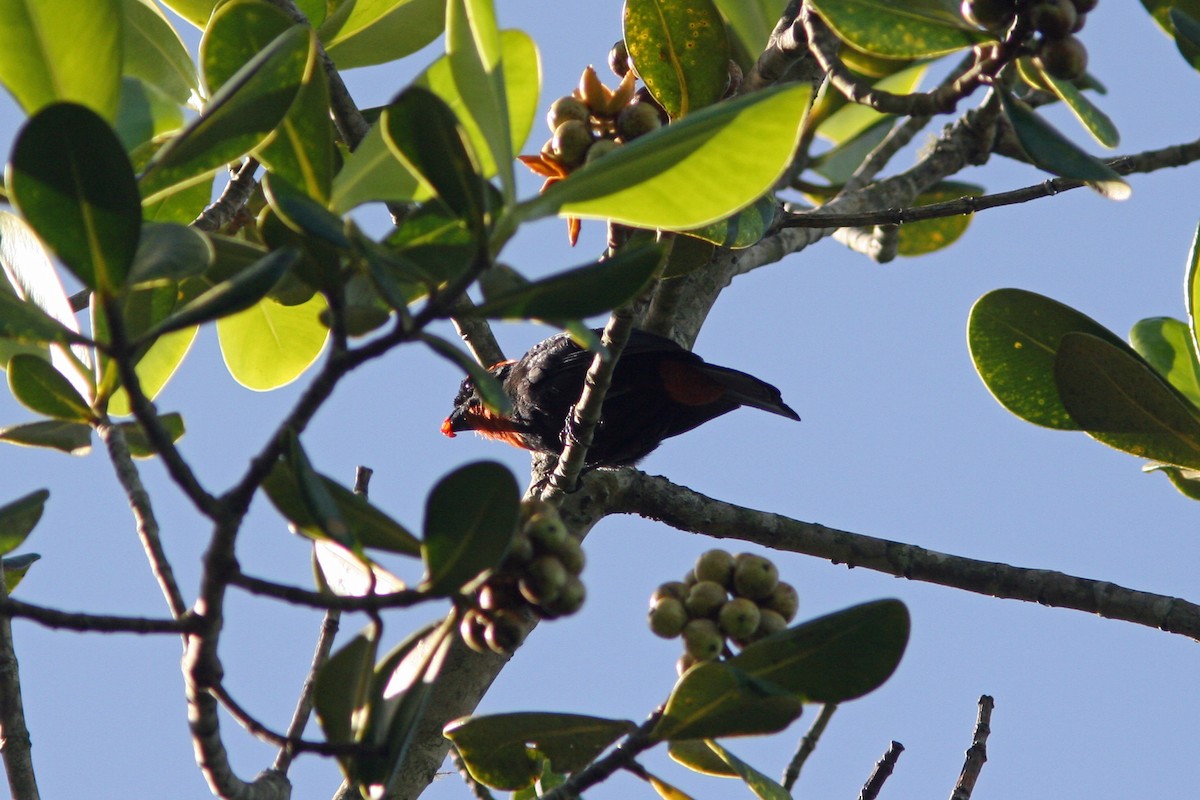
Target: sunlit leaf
926, 236
1095, 121
15, 568
1166, 344
696, 755
42, 388
368, 32
269, 344
74, 438
751, 21
18, 518
680, 51
154, 53
913, 29
470, 519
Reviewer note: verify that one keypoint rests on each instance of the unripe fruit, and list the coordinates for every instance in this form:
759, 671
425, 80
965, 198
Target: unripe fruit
738, 618
546, 531
989, 14
543, 580
675, 589
702, 640
600, 148
473, 629
570, 598
770, 622
504, 633
754, 577
563, 109
496, 595
643, 95
571, 142
705, 599
570, 553
715, 566
1065, 59
520, 552
667, 618
618, 58
636, 120
1053, 19
689, 578
783, 600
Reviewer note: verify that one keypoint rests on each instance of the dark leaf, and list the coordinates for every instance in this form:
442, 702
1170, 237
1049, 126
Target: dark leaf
74, 438
302, 214
169, 252
18, 518
470, 519
489, 388
743, 229
715, 698
341, 689
42, 388
139, 443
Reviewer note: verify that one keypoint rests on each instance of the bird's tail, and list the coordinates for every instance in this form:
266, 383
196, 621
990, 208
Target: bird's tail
749, 390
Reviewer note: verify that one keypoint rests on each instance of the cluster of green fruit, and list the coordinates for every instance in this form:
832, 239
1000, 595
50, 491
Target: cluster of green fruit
723, 598
1057, 50
538, 576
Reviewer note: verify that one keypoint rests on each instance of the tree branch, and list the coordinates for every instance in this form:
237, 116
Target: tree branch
233, 198
680, 507
15, 743
94, 623
976, 753
883, 770
807, 745
621, 757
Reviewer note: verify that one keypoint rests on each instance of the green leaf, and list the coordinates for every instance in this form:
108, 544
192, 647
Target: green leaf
687, 255
168, 253
362, 33
1095, 121
18, 518
269, 345
743, 229
144, 113
374, 173
926, 236
696, 755
833, 658
470, 519
371, 527
235, 33
1161, 10
913, 29
762, 786
476, 60
847, 120
715, 698
139, 443
692, 173
495, 749
303, 214
1186, 30
73, 183
231, 296
1191, 287
339, 571
751, 21
42, 388
489, 388
580, 292
1187, 481
1118, 399
1050, 150
49, 53
839, 163
1167, 345
341, 689
666, 790
680, 51
73, 438
1014, 339
196, 12
154, 53
424, 134
302, 149
240, 117
316, 498
23, 322
15, 569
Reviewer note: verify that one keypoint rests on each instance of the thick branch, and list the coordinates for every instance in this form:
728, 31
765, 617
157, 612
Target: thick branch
658, 498
232, 200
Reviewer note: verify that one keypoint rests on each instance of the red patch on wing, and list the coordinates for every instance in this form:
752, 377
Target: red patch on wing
687, 385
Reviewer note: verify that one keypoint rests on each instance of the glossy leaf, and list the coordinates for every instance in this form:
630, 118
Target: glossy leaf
581, 292
913, 29
715, 698
762, 786
49, 54
470, 519
927, 236
231, 296
73, 438
495, 747
342, 687
477, 63
839, 120
1166, 344
424, 134
154, 53
42, 388
1014, 338
1118, 399
302, 149
196, 12
696, 755
237, 119
666, 790
1094, 121
1050, 150
751, 21
489, 388
73, 183
680, 50
833, 658
269, 344
18, 518
16, 567
363, 33
371, 527
743, 229
1187, 481
139, 443
236, 32
694, 172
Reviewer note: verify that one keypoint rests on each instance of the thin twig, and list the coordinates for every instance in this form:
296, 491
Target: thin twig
261, 731
143, 515
304, 704
325, 601
883, 769
621, 757
94, 623
807, 745
15, 744
977, 752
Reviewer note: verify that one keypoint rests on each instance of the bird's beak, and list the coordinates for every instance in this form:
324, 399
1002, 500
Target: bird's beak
448, 427
456, 423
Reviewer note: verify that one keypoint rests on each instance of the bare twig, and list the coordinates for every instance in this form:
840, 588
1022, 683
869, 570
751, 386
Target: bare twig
233, 198
93, 623
658, 498
324, 600
15, 744
883, 769
976, 753
807, 745
143, 515
304, 704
